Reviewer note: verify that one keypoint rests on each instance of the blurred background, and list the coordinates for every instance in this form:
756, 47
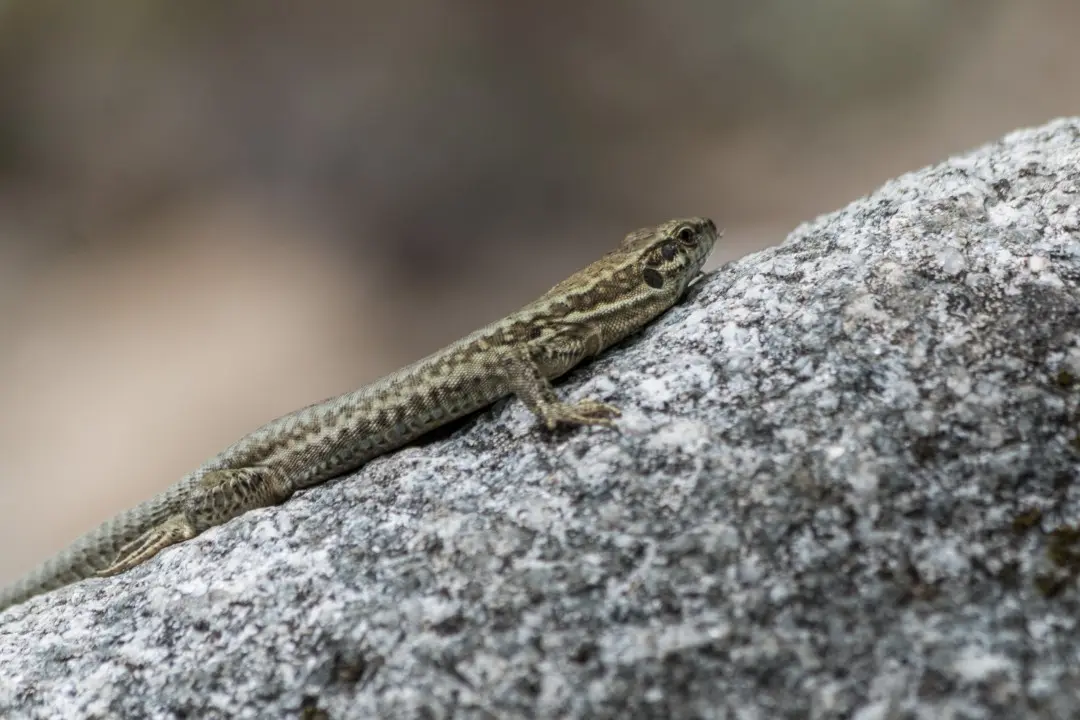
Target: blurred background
214, 212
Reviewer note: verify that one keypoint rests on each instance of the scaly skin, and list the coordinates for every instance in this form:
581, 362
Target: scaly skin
578, 318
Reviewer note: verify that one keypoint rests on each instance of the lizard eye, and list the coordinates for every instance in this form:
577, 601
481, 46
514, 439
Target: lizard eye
686, 234
668, 250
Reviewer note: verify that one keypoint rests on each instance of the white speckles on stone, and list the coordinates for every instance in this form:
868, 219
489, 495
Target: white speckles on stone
698, 373
600, 387
921, 421
1050, 279
1071, 217
654, 695
834, 452
687, 436
741, 345
779, 593
695, 320
978, 280
1004, 215
726, 536
655, 392
522, 422
994, 436
636, 643
750, 570
1038, 263
959, 382
101, 685
1002, 262
827, 402
945, 560
827, 698
784, 266
635, 422
952, 261
975, 664
864, 481
434, 610
758, 289
863, 308
1071, 360
599, 466
879, 710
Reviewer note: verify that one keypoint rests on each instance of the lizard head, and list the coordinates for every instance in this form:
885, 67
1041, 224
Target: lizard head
645, 275
670, 255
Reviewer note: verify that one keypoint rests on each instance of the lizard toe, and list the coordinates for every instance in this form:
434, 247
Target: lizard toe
174, 530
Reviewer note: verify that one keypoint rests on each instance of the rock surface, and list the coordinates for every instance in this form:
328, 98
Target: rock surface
845, 485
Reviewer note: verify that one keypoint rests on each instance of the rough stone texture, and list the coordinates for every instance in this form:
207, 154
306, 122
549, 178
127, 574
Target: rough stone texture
845, 486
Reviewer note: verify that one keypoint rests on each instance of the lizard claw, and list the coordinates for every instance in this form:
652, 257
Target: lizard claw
174, 530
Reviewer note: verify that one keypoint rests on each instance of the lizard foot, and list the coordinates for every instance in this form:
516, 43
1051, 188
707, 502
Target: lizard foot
585, 412
175, 529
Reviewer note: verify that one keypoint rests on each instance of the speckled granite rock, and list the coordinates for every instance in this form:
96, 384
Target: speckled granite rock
846, 485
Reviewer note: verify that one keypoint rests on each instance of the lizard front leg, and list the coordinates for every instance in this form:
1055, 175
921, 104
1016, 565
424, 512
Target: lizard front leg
527, 375
218, 496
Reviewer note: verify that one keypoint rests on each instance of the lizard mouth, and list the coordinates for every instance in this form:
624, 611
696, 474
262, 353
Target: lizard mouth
696, 278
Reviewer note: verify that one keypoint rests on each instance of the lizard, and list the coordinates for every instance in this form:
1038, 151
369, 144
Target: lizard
519, 355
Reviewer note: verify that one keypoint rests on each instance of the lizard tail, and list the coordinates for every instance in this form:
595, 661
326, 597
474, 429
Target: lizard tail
88, 555
53, 573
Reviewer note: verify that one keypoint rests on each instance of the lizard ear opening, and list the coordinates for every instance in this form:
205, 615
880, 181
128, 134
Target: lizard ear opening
653, 278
